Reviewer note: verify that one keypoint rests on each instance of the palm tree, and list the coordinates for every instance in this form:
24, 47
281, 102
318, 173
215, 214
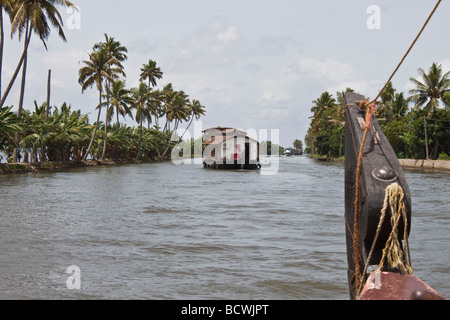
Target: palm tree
34, 16
121, 100
179, 110
96, 71
29, 17
4, 5
151, 72
387, 96
141, 96
324, 102
167, 95
339, 113
397, 108
434, 89
321, 105
9, 125
117, 54
195, 110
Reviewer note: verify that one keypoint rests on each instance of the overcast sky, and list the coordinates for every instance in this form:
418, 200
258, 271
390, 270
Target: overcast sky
253, 64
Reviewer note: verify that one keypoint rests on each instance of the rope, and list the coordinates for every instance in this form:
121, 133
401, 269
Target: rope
409, 50
394, 199
393, 252
356, 231
369, 112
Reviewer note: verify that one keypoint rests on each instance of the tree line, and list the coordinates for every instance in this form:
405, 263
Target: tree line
417, 125
48, 133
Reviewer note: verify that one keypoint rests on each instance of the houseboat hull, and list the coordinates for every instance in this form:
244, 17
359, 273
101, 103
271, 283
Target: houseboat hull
230, 166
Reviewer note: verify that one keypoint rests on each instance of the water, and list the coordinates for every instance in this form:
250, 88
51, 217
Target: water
160, 231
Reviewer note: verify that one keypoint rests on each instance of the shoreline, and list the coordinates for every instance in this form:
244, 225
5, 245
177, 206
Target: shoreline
14, 168
414, 164
436, 165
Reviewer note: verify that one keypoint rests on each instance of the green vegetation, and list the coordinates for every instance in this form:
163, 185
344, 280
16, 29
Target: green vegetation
417, 126
268, 148
62, 134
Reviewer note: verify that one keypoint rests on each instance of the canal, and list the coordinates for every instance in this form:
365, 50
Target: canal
166, 231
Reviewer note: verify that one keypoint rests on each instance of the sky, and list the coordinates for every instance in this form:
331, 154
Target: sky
256, 65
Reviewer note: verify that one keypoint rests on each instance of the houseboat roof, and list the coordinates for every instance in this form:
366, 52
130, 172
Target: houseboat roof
225, 130
227, 133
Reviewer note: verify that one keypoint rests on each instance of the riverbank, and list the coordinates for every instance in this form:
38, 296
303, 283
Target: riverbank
438, 165
425, 164
11, 168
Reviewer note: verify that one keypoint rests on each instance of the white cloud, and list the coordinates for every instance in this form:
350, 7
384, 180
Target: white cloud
213, 45
64, 66
230, 35
328, 69
446, 65
273, 91
205, 87
330, 74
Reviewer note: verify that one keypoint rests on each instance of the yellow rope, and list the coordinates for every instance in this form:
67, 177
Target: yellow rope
393, 252
393, 199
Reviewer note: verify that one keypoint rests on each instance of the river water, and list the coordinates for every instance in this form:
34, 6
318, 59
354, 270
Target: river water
166, 231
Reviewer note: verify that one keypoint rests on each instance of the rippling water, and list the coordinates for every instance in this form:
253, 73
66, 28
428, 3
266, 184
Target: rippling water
161, 231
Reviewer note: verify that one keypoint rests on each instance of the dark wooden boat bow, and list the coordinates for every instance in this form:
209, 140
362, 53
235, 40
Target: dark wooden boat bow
377, 213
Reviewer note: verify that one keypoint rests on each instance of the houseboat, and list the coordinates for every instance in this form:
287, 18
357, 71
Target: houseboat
230, 148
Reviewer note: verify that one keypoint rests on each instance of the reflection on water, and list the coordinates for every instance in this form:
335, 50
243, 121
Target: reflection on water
161, 231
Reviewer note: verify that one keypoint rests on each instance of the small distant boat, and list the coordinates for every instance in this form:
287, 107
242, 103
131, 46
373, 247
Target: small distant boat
288, 153
229, 148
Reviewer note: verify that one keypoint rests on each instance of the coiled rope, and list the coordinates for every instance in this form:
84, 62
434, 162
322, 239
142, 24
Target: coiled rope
370, 107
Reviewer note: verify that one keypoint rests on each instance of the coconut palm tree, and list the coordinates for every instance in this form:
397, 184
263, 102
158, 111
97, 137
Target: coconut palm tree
179, 111
97, 70
120, 100
433, 89
322, 105
141, 96
397, 108
151, 72
167, 95
195, 110
34, 16
28, 17
117, 54
7, 7
9, 125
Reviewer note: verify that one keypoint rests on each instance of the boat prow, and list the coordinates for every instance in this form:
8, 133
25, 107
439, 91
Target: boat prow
377, 213
395, 286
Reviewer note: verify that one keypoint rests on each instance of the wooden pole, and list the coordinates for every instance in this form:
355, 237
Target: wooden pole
48, 93
426, 137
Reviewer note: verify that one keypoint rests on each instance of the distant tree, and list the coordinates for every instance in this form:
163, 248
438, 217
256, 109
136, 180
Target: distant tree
96, 71
298, 144
434, 88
